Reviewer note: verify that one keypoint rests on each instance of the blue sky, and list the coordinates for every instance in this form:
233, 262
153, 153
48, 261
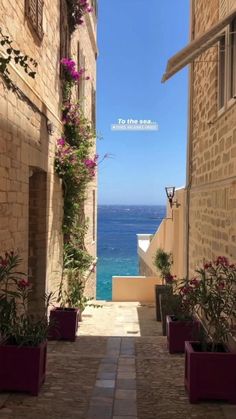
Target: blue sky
135, 40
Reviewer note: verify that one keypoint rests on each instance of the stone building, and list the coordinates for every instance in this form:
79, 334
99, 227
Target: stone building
211, 172
31, 198
209, 207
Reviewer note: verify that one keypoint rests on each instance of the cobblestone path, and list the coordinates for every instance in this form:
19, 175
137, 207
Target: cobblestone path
118, 368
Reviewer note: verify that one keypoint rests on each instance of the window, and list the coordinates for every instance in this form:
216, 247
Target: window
222, 62
34, 12
78, 66
227, 66
93, 107
81, 85
64, 33
233, 59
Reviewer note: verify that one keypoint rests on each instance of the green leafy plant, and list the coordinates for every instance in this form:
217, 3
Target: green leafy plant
75, 166
14, 55
76, 10
17, 327
213, 297
163, 262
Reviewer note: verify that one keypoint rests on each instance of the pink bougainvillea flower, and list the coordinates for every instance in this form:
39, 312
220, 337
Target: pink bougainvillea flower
169, 279
23, 283
61, 142
222, 260
207, 265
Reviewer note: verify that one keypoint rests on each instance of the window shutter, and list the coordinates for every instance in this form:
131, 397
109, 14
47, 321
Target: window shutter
81, 82
93, 110
223, 8
64, 33
78, 67
40, 18
34, 12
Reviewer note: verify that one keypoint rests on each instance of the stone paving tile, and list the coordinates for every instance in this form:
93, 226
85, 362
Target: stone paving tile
125, 407
125, 394
126, 384
68, 388
127, 361
99, 412
160, 385
107, 368
106, 375
104, 392
104, 352
125, 417
105, 383
126, 375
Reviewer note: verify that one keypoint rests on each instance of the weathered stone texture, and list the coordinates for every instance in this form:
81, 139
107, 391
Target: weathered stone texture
212, 154
25, 145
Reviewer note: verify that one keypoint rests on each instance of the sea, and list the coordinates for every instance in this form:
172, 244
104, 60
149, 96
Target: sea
118, 226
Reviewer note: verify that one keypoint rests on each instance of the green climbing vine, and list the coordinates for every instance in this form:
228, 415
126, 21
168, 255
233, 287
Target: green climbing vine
75, 166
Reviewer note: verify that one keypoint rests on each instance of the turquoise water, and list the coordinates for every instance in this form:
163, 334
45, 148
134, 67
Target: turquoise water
117, 241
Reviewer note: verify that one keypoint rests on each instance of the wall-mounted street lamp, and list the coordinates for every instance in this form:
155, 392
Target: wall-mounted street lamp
50, 127
170, 193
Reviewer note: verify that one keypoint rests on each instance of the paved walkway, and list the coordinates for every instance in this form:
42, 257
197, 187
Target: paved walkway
118, 368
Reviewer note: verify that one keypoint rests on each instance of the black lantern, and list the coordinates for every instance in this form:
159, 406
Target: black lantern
50, 127
170, 193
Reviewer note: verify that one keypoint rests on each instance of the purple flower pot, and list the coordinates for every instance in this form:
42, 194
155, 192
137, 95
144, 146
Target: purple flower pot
209, 375
64, 324
179, 331
22, 368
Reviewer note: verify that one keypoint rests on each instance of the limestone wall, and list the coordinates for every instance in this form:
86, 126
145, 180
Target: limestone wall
212, 159
170, 237
27, 150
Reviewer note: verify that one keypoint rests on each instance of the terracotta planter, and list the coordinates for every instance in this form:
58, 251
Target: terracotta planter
179, 331
209, 375
22, 368
159, 289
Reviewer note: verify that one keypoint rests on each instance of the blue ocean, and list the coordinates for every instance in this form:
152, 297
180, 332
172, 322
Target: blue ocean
118, 226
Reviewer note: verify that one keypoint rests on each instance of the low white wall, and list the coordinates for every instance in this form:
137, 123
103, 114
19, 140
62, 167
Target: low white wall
170, 237
134, 288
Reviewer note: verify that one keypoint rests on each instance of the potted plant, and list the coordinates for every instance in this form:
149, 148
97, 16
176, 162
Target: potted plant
64, 320
181, 324
163, 262
209, 364
23, 337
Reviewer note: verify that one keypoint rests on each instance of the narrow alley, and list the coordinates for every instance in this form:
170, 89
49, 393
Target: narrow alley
118, 368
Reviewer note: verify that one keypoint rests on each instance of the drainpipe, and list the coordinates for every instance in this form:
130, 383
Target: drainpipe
189, 145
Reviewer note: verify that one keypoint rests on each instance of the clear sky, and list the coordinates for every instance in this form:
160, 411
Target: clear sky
135, 40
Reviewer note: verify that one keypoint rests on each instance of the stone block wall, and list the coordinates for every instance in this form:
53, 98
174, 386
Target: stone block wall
212, 160
27, 148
